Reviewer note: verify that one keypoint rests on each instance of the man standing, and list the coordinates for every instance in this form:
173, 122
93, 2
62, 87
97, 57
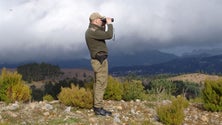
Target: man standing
95, 38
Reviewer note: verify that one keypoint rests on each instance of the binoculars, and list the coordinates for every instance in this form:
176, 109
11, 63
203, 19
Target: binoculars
104, 20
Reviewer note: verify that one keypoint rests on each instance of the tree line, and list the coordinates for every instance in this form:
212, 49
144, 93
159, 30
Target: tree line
37, 72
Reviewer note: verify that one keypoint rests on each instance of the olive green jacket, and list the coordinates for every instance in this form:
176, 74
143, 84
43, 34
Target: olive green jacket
95, 38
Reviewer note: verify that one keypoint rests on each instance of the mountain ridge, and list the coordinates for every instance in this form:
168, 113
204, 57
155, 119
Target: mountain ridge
212, 64
147, 57
145, 62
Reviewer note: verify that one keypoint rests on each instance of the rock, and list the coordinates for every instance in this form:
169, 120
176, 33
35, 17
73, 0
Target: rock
137, 100
46, 113
116, 119
13, 107
54, 102
122, 101
132, 111
124, 112
12, 114
92, 120
119, 107
204, 118
79, 112
195, 116
165, 102
47, 107
32, 105
125, 118
68, 109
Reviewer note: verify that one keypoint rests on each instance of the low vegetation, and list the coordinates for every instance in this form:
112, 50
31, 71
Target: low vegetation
76, 96
212, 95
132, 90
52, 88
72, 92
48, 97
159, 86
12, 88
114, 90
172, 113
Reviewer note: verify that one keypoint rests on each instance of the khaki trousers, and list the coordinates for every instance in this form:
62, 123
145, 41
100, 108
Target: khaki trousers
100, 83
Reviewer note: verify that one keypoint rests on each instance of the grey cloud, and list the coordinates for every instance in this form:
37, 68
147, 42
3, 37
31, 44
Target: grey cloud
47, 29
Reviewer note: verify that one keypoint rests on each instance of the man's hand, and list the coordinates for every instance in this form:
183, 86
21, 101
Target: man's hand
108, 20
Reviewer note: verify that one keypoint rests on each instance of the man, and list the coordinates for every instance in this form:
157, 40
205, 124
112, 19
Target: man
95, 38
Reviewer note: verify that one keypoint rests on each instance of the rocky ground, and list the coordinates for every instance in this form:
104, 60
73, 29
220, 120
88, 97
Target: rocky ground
124, 113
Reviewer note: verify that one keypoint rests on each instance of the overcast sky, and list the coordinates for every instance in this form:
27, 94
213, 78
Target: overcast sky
50, 29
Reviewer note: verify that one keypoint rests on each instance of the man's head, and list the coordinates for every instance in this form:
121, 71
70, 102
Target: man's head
95, 18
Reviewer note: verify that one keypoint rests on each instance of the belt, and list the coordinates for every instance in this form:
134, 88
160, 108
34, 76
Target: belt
101, 56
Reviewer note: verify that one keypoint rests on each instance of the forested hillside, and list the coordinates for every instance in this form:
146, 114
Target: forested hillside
36, 72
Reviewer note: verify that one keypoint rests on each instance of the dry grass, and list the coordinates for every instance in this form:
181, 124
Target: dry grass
195, 77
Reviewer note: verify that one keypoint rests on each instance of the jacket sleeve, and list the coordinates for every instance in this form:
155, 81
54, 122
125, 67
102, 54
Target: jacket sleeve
102, 35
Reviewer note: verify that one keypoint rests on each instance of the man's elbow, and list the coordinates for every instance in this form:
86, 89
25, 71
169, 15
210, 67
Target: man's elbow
110, 36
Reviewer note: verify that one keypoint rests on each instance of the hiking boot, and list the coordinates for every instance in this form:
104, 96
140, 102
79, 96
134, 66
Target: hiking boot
102, 112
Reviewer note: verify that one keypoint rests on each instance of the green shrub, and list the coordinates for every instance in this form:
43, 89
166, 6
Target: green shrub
48, 97
212, 95
12, 88
189, 89
89, 85
133, 90
114, 89
173, 113
19, 92
66, 96
161, 86
75, 96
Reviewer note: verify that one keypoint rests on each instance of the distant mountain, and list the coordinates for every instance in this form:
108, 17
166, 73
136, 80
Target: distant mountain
130, 59
121, 59
211, 65
79, 63
147, 57
203, 52
10, 65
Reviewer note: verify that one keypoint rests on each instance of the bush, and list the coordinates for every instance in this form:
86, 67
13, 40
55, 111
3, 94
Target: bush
161, 86
19, 92
133, 90
89, 85
189, 89
114, 89
173, 113
75, 96
48, 97
12, 88
212, 95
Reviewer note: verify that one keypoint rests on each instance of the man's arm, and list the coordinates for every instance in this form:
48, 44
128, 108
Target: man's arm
102, 35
